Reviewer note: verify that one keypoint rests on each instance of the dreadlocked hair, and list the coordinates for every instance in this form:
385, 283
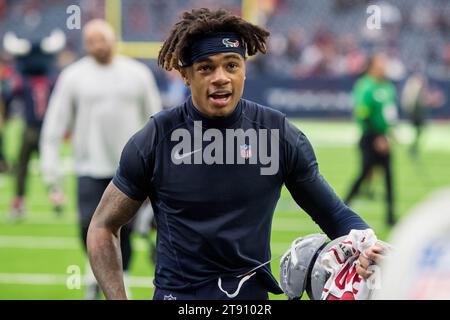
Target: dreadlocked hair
197, 23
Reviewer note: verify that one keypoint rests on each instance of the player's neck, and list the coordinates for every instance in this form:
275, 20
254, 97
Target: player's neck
377, 77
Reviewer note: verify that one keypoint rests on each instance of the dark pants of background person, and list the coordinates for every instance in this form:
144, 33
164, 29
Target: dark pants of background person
3, 165
370, 158
89, 193
30, 144
2, 124
418, 122
2, 155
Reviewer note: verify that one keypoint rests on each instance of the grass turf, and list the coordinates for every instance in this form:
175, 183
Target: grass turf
35, 253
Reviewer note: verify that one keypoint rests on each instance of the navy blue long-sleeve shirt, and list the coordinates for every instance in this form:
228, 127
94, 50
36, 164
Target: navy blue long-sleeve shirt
215, 219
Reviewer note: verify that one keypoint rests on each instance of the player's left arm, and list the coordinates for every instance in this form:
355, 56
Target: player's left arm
103, 241
311, 191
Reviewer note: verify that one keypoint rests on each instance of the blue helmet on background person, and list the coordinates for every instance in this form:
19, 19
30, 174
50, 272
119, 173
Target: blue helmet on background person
34, 57
35, 71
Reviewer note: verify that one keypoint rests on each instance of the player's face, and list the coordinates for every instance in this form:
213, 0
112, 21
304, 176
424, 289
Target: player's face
379, 66
216, 83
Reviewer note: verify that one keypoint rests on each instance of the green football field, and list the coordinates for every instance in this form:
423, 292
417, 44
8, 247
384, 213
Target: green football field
39, 255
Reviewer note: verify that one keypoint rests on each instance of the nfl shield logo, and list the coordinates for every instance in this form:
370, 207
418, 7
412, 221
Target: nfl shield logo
246, 151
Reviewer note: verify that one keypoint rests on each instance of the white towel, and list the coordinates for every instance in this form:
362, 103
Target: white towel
341, 261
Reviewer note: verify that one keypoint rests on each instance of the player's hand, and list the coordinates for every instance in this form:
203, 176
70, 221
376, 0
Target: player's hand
373, 255
381, 145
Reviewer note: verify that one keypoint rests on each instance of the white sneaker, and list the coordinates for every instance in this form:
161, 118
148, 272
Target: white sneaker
17, 211
92, 287
126, 281
92, 292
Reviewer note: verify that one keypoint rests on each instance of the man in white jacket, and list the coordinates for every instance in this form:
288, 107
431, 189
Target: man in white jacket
102, 99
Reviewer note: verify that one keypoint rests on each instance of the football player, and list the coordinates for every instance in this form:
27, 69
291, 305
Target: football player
213, 168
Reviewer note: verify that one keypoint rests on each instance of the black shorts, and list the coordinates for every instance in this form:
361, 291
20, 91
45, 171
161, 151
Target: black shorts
90, 191
370, 156
252, 289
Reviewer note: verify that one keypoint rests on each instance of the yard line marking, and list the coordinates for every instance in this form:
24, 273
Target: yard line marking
56, 243
33, 242
42, 218
54, 279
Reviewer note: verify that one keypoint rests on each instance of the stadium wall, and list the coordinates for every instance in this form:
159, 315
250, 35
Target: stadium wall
323, 97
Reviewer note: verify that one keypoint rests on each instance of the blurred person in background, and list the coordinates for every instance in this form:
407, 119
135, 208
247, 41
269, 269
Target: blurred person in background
103, 99
176, 91
351, 58
32, 84
416, 98
375, 110
3, 165
66, 58
320, 58
6, 72
3, 84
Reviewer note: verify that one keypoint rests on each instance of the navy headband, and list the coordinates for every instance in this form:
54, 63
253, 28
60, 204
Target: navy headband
213, 44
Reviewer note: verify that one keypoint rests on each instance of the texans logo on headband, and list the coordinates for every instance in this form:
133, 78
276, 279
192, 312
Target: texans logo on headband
230, 44
212, 44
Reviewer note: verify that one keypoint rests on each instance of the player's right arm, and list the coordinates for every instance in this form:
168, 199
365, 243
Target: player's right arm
103, 242
119, 204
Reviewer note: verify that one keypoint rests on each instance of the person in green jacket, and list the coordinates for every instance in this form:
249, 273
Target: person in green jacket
375, 111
